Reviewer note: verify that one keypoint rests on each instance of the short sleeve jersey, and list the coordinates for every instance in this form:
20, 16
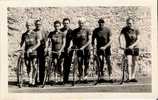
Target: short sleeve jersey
80, 37
30, 39
68, 34
56, 39
131, 35
43, 36
102, 36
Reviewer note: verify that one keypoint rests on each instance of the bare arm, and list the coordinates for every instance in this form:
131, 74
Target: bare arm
64, 42
88, 43
110, 41
48, 43
135, 43
122, 41
37, 45
22, 43
93, 38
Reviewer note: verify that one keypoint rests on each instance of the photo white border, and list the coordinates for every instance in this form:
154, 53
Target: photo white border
5, 95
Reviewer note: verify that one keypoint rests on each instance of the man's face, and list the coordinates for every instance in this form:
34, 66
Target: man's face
66, 24
38, 25
101, 25
81, 24
130, 23
57, 26
29, 26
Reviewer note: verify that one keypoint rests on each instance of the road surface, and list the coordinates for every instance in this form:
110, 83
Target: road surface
143, 85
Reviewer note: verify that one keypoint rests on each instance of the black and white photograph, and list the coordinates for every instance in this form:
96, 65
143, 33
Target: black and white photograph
81, 49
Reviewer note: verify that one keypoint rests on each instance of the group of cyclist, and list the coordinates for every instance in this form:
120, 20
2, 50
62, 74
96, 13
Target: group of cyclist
59, 45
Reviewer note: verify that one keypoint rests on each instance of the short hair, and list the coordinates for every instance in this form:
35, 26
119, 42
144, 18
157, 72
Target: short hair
82, 19
66, 19
101, 20
129, 18
36, 21
57, 22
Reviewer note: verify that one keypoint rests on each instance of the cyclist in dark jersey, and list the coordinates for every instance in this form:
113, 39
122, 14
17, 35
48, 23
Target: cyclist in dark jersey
56, 39
132, 37
68, 54
103, 36
30, 41
81, 40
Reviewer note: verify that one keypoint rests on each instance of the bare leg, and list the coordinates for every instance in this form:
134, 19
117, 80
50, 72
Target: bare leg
80, 67
34, 70
129, 57
28, 65
108, 61
134, 61
86, 63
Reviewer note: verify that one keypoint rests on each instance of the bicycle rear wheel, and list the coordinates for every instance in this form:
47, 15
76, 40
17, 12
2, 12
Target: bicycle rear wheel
96, 65
124, 70
46, 73
75, 66
20, 71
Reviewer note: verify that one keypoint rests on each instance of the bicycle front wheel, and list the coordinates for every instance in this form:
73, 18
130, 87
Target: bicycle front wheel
20, 71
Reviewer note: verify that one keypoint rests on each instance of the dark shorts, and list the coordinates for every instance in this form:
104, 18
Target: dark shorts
133, 52
30, 55
106, 52
85, 53
55, 55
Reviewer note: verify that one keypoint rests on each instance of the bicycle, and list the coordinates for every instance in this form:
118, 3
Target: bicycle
74, 65
124, 65
20, 66
50, 67
96, 65
20, 69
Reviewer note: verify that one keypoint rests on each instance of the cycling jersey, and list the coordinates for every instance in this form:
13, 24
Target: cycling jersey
56, 40
68, 34
30, 38
130, 35
102, 36
80, 37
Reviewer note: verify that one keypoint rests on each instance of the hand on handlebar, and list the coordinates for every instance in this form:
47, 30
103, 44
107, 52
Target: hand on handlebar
130, 47
103, 48
82, 48
29, 51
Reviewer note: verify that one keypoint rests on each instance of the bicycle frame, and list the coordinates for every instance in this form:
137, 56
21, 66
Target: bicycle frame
75, 62
50, 66
96, 57
124, 66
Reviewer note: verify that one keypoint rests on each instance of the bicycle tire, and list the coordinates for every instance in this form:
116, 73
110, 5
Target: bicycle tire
20, 71
46, 73
75, 65
124, 69
96, 65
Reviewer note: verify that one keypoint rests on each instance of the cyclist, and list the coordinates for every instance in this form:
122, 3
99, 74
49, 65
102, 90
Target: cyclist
132, 37
81, 40
40, 50
103, 38
56, 40
30, 41
68, 54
